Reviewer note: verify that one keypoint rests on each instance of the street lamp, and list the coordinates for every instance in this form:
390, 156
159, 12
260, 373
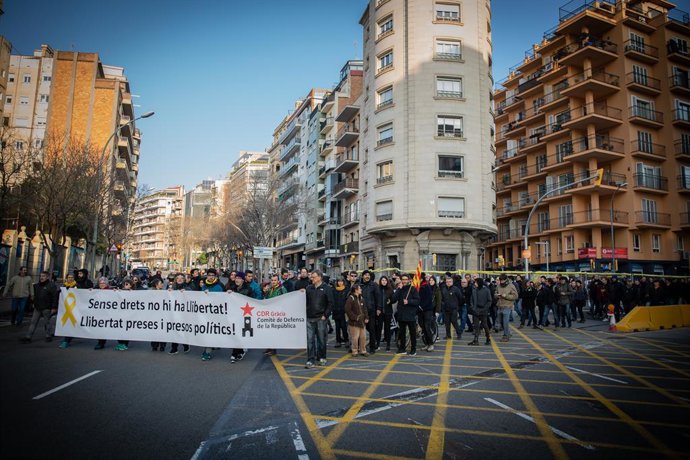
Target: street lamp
547, 250
613, 242
94, 236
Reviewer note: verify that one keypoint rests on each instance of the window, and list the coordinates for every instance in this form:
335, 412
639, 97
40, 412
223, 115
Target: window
636, 43
47, 78
643, 109
449, 126
644, 142
562, 150
10, 78
559, 246
636, 242
27, 78
569, 243
385, 26
450, 166
384, 211
648, 176
682, 111
451, 207
19, 145
565, 215
384, 97
678, 45
449, 50
446, 262
385, 61
8, 100
385, 134
38, 143
448, 12
384, 172
449, 87
649, 215
542, 222
23, 100
43, 98
679, 243
656, 242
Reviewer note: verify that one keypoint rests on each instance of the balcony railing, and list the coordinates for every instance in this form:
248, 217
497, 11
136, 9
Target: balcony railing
682, 146
384, 180
450, 173
449, 94
643, 80
679, 81
608, 179
352, 246
646, 113
597, 108
599, 141
673, 48
455, 18
570, 9
650, 148
384, 217
598, 75
653, 218
682, 114
683, 182
350, 218
651, 181
346, 184
383, 104
451, 133
600, 215
448, 56
642, 48
451, 214
384, 141
679, 17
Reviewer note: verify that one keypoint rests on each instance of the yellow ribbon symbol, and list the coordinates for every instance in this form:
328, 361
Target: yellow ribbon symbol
70, 304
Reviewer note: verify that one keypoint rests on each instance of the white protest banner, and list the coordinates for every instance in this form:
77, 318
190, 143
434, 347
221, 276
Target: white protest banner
213, 319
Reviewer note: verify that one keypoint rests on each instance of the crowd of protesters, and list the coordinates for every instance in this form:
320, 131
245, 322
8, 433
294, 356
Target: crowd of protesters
367, 314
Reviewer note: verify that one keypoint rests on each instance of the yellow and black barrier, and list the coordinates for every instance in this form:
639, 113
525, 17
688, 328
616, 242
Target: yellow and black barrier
533, 274
655, 318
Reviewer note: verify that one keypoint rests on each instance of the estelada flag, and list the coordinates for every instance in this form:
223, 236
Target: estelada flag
417, 279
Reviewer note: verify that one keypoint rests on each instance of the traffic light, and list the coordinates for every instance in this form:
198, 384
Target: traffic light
600, 176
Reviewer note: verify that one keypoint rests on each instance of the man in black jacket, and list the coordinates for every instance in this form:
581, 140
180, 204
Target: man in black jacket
371, 296
46, 296
453, 300
408, 301
82, 278
303, 280
319, 306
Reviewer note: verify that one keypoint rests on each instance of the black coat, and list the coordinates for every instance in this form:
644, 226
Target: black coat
371, 295
387, 300
46, 296
407, 312
319, 301
302, 283
453, 297
339, 298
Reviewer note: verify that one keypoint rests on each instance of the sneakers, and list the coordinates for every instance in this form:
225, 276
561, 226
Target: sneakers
430, 348
309, 365
412, 353
474, 342
121, 347
173, 351
233, 360
338, 345
185, 348
401, 352
205, 356
365, 354
64, 344
505, 339
322, 362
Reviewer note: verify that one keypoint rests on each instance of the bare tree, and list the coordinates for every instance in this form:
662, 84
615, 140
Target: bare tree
16, 160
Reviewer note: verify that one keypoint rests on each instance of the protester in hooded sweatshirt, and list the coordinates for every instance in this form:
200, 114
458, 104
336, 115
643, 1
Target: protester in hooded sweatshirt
480, 306
211, 284
157, 285
179, 284
340, 295
21, 290
45, 304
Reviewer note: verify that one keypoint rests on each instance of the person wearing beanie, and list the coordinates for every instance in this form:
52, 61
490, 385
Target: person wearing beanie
211, 284
480, 306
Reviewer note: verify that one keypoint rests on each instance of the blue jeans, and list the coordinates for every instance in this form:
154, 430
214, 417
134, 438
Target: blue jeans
18, 305
317, 333
504, 316
463, 317
518, 308
545, 315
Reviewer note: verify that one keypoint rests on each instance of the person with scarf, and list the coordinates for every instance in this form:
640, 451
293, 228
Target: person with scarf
127, 285
274, 290
103, 284
69, 283
157, 285
45, 304
426, 315
387, 300
357, 319
210, 284
340, 295
407, 298
179, 284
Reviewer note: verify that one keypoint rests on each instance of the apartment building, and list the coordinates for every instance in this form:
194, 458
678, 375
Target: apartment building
290, 160
608, 87
426, 144
157, 217
5, 53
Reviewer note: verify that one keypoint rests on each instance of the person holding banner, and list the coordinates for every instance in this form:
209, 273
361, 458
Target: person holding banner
211, 284
276, 289
69, 283
319, 305
128, 284
157, 285
357, 318
102, 284
179, 284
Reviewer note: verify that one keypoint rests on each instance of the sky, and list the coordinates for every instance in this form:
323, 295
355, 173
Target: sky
221, 74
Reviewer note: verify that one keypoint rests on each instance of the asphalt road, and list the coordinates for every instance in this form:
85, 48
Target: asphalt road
575, 393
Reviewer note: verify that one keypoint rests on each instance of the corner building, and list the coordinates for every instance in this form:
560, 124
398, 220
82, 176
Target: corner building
426, 142
606, 88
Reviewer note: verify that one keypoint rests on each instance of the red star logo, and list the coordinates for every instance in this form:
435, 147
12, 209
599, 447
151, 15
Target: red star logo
247, 310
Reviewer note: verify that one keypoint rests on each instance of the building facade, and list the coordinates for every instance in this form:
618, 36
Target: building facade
607, 88
5, 53
157, 218
426, 135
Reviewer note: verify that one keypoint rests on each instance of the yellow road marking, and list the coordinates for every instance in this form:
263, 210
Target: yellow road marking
399, 402
436, 443
606, 402
360, 454
554, 446
325, 450
315, 378
293, 357
661, 347
352, 412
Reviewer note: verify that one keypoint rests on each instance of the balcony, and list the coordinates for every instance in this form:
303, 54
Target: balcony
328, 102
327, 125
322, 195
384, 180
384, 141
641, 52
349, 219
347, 113
326, 168
599, 114
533, 142
646, 117
595, 15
531, 83
599, 52
651, 183
119, 186
599, 218
682, 148
679, 21
291, 147
685, 219
554, 99
327, 146
506, 209
683, 183
681, 117
680, 84
650, 219
643, 84
345, 188
127, 99
600, 83
291, 129
601, 147
676, 53
648, 150
289, 166
611, 182
121, 165
350, 247
346, 162
384, 217
637, 18
535, 170
347, 134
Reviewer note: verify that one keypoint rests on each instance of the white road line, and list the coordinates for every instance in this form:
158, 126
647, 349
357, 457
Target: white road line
529, 418
596, 375
297, 441
61, 387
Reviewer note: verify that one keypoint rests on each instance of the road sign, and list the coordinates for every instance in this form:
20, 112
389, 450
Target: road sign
262, 252
113, 248
527, 253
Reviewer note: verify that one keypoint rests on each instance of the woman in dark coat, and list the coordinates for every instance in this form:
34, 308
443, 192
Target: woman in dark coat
387, 301
357, 319
339, 298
